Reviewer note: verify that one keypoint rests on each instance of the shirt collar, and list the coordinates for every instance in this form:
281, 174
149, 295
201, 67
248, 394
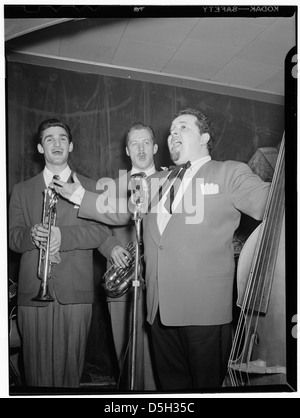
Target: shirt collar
148, 172
198, 163
64, 175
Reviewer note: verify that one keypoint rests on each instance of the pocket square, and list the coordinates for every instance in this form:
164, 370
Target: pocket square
209, 188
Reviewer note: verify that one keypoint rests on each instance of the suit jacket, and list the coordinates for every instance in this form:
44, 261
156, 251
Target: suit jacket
72, 279
190, 267
119, 234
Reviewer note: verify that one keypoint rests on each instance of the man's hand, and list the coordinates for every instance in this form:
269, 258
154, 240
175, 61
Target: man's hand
120, 257
39, 235
66, 189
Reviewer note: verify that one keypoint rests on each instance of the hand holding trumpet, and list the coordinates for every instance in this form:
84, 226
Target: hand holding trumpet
39, 234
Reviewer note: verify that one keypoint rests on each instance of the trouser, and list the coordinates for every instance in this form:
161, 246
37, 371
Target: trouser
54, 340
122, 326
191, 357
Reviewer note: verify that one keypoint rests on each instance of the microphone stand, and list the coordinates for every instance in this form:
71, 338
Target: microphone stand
136, 284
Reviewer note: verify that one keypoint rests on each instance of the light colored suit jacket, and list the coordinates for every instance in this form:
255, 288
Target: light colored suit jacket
72, 278
190, 267
119, 234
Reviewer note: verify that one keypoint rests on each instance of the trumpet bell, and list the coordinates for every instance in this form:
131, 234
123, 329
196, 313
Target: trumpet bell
43, 294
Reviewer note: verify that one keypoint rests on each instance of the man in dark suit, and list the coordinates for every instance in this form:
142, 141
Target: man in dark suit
54, 334
141, 148
189, 253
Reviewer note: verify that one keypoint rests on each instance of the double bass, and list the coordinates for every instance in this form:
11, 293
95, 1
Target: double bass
258, 354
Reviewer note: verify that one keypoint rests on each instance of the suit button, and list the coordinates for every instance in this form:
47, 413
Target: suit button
161, 247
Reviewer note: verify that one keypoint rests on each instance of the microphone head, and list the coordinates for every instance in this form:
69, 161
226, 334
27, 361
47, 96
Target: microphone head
139, 198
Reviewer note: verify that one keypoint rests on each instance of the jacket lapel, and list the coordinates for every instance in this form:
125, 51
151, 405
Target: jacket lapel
161, 184
199, 174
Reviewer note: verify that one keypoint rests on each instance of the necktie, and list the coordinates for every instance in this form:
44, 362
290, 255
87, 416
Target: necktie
56, 177
176, 175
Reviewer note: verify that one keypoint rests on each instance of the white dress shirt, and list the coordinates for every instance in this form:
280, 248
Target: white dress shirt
163, 216
148, 172
64, 175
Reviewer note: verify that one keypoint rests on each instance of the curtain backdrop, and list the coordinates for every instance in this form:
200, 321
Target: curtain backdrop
99, 110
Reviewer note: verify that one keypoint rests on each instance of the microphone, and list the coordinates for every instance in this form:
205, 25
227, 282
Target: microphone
138, 202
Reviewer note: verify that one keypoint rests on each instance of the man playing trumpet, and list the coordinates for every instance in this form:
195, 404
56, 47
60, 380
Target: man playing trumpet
54, 333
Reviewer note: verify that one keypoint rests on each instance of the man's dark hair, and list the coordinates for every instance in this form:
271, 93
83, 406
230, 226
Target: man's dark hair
203, 122
137, 126
48, 123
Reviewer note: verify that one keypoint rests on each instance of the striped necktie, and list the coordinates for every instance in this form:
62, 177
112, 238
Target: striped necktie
176, 175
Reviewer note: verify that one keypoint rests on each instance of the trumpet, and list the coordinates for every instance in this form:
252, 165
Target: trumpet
44, 265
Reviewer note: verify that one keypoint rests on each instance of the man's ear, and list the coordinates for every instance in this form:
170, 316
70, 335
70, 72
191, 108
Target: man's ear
155, 148
204, 139
71, 147
127, 151
40, 148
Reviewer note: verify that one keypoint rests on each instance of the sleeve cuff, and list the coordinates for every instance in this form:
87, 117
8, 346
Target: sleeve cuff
77, 196
107, 246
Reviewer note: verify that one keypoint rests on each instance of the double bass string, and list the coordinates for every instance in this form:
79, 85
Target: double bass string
267, 239
238, 338
270, 242
245, 308
242, 323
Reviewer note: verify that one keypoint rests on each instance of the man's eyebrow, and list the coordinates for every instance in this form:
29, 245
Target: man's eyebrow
48, 136
180, 121
51, 136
